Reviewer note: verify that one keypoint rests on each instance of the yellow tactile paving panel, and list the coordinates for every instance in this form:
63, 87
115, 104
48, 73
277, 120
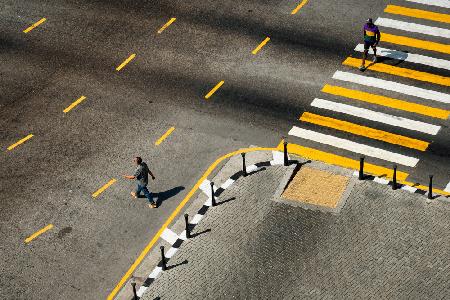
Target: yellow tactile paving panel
316, 187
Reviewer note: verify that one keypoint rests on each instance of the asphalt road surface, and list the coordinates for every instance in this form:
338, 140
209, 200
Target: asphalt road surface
50, 178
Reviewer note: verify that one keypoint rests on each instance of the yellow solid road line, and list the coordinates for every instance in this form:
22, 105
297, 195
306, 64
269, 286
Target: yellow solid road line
263, 43
341, 161
132, 56
166, 25
403, 72
295, 10
20, 142
214, 89
35, 25
368, 132
417, 13
425, 188
386, 101
164, 136
38, 233
421, 44
103, 188
71, 106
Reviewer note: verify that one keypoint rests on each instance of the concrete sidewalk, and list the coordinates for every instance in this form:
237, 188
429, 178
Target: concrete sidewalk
380, 244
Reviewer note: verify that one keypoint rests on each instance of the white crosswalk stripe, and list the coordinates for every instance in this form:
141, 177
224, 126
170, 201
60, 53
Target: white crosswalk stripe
441, 3
409, 57
354, 147
392, 86
413, 27
376, 116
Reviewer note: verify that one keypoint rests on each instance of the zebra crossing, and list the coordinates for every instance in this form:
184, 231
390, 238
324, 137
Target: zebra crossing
411, 86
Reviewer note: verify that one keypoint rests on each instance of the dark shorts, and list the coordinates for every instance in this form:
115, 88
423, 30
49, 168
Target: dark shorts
368, 44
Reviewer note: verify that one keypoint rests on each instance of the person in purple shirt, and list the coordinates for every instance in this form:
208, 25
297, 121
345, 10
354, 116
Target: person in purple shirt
371, 39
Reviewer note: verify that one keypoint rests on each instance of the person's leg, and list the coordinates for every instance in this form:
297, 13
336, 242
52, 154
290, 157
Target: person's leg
149, 196
137, 193
366, 50
375, 59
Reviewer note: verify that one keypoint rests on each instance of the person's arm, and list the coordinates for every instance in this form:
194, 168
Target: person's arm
151, 174
129, 176
378, 36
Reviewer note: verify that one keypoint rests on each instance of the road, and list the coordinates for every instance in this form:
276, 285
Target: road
75, 52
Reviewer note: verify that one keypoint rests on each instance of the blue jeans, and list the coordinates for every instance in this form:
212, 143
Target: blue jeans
147, 193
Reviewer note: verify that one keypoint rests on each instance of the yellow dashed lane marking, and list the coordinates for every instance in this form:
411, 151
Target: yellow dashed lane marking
214, 89
295, 10
20, 142
132, 56
417, 13
342, 161
35, 25
166, 25
263, 43
386, 101
364, 131
403, 72
71, 106
103, 188
38, 233
421, 44
164, 136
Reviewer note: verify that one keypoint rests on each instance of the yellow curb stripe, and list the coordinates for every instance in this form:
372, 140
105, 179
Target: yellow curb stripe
166, 25
425, 188
387, 101
364, 131
214, 89
417, 13
20, 142
38, 233
174, 214
295, 10
403, 72
71, 106
262, 44
416, 43
35, 25
164, 136
103, 188
132, 56
341, 161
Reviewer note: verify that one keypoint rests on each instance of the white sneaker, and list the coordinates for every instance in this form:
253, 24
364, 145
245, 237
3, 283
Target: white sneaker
362, 68
375, 59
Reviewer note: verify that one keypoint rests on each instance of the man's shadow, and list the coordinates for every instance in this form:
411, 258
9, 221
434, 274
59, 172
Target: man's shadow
163, 196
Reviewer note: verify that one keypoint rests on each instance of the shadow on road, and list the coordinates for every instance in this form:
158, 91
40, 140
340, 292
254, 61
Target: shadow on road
163, 196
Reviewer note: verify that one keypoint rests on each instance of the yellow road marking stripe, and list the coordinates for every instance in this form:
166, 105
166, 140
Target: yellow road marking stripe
132, 56
295, 10
425, 188
262, 44
164, 136
403, 72
38, 233
214, 89
174, 214
71, 106
103, 188
20, 142
166, 25
416, 43
364, 131
386, 101
35, 25
341, 161
417, 13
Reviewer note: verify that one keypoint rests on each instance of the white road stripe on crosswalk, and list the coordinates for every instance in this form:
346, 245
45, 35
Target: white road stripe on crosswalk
392, 86
413, 27
409, 57
353, 147
441, 3
376, 116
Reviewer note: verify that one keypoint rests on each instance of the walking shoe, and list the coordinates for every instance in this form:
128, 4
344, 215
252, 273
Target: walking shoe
375, 59
133, 194
152, 205
362, 68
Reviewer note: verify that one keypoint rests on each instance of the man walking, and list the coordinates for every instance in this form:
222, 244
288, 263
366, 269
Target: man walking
141, 175
371, 39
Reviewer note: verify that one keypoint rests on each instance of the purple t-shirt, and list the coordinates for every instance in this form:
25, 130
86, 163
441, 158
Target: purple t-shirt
370, 32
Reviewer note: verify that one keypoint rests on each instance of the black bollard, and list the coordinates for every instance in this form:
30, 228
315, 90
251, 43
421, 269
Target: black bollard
361, 168
244, 168
163, 259
188, 233
430, 188
394, 178
286, 158
133, 285
213, 198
